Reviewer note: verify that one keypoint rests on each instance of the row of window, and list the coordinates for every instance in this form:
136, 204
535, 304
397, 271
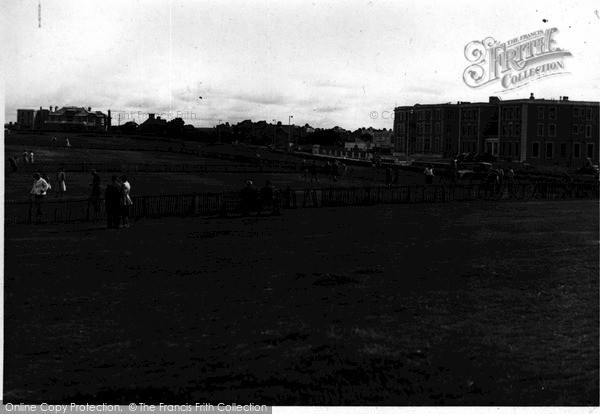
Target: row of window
426, 144
549, 150
507, 112
424, 115
468, 146
580, 129
510, 112
511, 130
577, 112
507, 149
576, 129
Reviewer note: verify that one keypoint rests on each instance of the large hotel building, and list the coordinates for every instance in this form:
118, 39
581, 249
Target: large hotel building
537, 131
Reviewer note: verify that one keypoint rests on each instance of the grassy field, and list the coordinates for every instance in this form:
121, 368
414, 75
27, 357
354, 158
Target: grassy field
18, 185
78, 184
456, 304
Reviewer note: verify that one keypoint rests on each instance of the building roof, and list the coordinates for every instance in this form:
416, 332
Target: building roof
77, 111
494, 100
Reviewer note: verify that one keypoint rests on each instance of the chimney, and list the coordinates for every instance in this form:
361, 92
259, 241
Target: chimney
565, 98
89, 109
531, 96
55, 108
150, 116
50, 108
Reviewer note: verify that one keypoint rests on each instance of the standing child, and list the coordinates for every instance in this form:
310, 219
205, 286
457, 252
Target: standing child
125, 200
62, 184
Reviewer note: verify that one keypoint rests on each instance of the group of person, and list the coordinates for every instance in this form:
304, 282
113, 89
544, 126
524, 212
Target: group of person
118, 201
333, 169
252, 199
26, 156
55, 141
116, 196
498, 180
392, 176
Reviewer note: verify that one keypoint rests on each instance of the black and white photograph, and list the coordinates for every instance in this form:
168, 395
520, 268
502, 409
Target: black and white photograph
306, 205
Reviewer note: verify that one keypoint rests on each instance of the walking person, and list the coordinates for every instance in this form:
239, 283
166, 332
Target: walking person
126, 202
31, 157
95, 198
38, 191
62, 184
68, 144
25, 157
112, 199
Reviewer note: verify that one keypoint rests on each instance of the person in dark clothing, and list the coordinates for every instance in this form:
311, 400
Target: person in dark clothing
454, 171
13, 164
95, 198
248, 198
335, 168
314, 172
491, 184
112, 198
388, 176
266, 196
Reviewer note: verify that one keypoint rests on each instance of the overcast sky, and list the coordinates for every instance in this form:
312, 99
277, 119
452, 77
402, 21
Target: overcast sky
326, 63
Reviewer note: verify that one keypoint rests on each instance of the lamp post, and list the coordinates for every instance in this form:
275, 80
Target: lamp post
290, 130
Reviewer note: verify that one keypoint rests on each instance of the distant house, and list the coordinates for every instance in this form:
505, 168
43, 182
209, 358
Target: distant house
129, 127
153, 125
76, 119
